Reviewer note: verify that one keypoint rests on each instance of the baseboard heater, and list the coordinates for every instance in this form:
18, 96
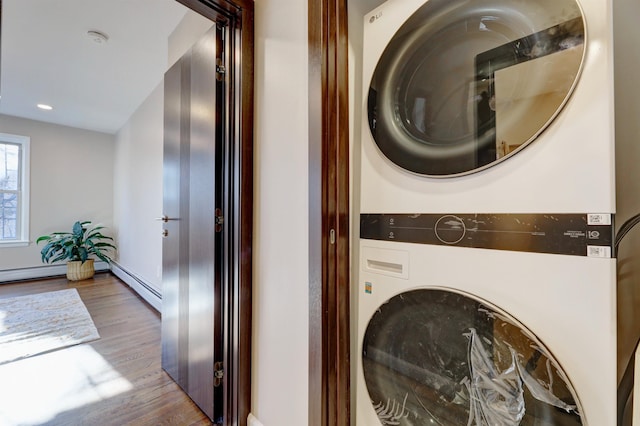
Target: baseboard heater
149, 293
37, 272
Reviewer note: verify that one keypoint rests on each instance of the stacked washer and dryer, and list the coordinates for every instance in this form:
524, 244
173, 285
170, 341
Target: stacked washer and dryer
487, 288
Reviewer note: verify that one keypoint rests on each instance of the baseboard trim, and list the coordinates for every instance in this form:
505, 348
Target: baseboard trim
38, 272
140, 286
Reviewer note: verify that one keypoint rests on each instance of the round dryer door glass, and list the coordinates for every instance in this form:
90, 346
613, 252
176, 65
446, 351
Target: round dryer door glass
465, 84
436, 357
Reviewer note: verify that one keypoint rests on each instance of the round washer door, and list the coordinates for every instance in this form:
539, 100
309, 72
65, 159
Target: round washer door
433, 356
465, 84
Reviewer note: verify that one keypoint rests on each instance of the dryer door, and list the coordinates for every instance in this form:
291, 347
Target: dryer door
434, 356
464, 84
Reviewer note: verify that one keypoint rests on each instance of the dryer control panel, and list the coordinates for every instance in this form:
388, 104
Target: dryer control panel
589, 235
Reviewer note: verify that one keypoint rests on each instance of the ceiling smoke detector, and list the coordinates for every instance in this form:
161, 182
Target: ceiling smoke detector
97, 36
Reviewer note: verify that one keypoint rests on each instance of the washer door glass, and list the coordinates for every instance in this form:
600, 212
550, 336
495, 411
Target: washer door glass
435, 357
464, 84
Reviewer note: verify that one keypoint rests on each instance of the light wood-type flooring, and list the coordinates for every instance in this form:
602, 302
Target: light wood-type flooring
116, 380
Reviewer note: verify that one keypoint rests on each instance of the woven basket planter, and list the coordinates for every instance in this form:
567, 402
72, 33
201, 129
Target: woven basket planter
78, 270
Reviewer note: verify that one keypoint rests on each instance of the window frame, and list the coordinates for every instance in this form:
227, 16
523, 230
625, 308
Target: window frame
23, 190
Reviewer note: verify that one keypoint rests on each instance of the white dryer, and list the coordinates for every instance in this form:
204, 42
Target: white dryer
488, 106
487, 284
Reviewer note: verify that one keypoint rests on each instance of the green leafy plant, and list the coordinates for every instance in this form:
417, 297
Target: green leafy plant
81, 243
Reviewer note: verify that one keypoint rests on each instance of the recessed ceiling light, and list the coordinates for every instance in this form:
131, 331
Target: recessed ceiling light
97, 36
45, 107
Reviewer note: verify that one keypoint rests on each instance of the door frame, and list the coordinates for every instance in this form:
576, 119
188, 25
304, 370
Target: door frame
238, 300
329, 248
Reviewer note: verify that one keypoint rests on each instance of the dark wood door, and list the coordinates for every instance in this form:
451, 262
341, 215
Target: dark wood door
193, 257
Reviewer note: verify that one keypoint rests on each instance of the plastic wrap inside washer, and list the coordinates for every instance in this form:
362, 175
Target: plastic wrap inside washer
435, 357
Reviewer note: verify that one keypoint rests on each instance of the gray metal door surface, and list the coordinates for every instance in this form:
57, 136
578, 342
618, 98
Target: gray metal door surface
194, 167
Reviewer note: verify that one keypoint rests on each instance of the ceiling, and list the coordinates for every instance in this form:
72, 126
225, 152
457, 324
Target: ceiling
47, 57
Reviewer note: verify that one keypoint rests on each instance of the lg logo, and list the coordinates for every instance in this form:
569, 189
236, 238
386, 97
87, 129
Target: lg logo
593, 235
375, 17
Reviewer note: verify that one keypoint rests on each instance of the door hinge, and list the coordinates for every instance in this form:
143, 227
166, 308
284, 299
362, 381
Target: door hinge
218, 374
220, 69
219, 220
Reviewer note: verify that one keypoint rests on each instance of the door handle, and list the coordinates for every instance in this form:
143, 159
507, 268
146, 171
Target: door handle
166, 218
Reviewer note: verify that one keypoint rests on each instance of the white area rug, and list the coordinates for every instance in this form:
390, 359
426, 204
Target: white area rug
38, 323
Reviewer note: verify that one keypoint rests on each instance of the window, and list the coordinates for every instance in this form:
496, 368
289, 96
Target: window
14, 190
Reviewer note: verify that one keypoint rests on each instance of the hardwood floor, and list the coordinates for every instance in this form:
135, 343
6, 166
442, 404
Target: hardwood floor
116, 380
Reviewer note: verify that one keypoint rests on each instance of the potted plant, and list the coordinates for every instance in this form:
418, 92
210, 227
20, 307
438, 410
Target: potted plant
78, 248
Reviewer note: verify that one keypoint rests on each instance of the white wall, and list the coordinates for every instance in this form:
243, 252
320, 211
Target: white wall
138, 191
71, 179
281, 278
191, 28
627, 93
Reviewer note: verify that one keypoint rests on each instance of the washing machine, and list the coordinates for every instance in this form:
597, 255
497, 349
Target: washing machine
486, 279
484, 336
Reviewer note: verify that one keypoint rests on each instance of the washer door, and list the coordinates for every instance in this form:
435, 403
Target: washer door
464, 84
438, 357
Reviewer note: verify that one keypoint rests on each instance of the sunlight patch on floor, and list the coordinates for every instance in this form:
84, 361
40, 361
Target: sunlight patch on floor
34, 390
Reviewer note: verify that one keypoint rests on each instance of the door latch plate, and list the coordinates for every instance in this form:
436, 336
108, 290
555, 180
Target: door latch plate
218, 374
